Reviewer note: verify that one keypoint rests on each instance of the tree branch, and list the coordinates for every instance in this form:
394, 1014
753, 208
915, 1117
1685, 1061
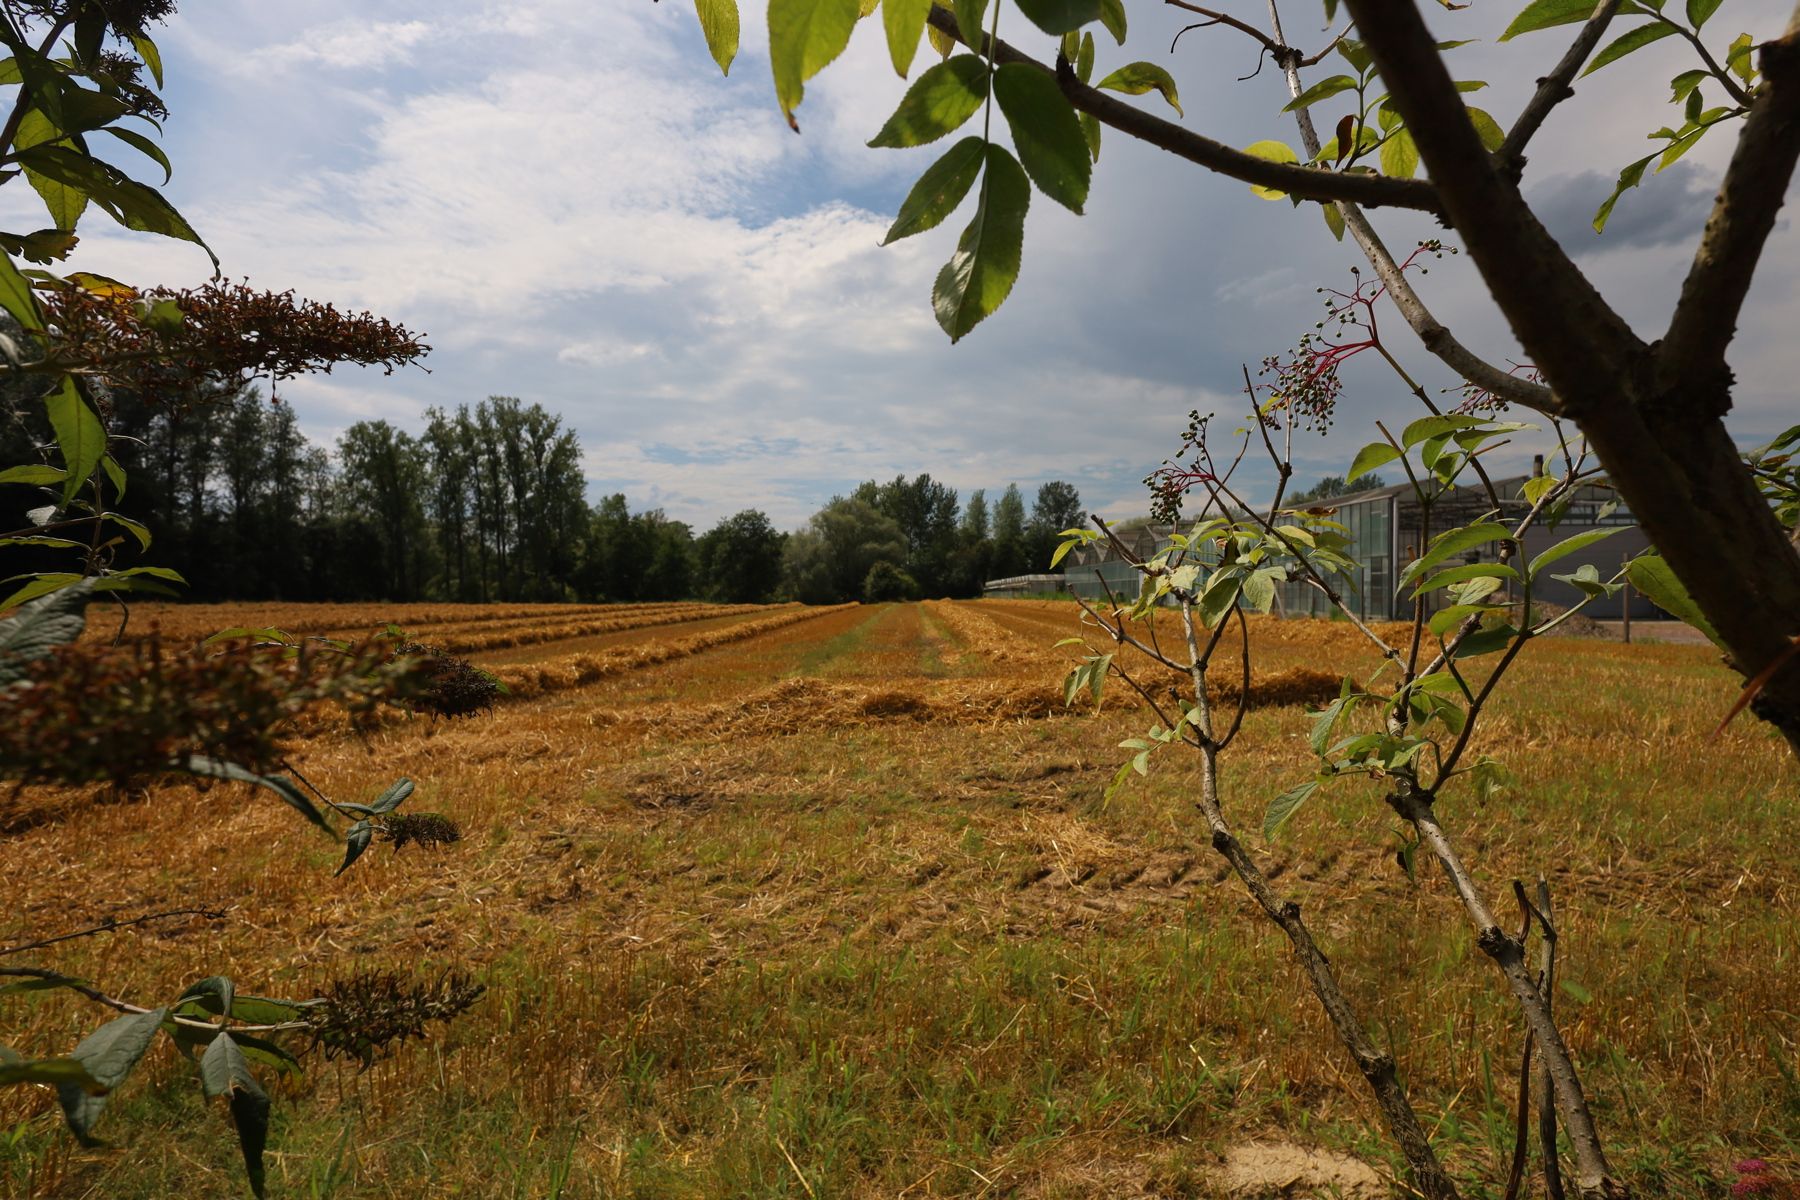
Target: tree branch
110, 924
1580, 344
1743, 215
1437, 339
1308, 183
1554, 88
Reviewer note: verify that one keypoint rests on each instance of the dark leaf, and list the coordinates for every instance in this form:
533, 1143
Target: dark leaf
937, 103
1046, 133
978, 277
939, 190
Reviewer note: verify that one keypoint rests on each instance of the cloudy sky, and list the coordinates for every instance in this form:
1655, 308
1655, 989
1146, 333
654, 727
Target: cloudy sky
579, 211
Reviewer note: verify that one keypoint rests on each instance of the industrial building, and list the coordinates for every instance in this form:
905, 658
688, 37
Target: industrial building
1386, 527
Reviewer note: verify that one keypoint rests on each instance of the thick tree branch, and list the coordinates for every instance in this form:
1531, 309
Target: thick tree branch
1577, 340
1309, 183
1693, 350
1554, 88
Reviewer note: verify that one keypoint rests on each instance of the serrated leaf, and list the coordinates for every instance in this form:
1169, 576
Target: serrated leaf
1045, 132
804, 37
903, 21
224, 1072
1090, 129
1464, 573
64, 202
719, 24
1134, 79
1635, 39
979, 276
1284, 806
1322, 90
940, 189
937, 103
1057, 17
1486, 128
1272, 151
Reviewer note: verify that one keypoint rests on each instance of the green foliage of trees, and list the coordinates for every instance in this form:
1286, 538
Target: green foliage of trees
829, 561
1332, 486
738, 561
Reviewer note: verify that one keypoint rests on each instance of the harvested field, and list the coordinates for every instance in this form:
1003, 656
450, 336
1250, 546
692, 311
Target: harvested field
827, 902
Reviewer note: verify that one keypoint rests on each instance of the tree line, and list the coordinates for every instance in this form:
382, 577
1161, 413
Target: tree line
488, 503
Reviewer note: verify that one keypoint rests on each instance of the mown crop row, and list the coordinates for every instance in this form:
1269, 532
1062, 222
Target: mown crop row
481, 638
578, 670
979, 632
181, 622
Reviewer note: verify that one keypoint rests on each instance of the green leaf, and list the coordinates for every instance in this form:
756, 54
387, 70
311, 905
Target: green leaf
1399, 156
1134, 79
1740, 58
1284, 806
214, 994
1486, 128
1464, 573
40, 626
1447, 619
981, 273
224, 1072
1322, 90
939, 101
283, 787
719, 23
1684, 84
804, 36
1652, 575
1084, 58
1486, 641
1090, 129
1567, 547
1698, 12
903, 21
1454, 541
152, 57
1635, 39
394, 796
44, 583
940, 189
1057, 17
970, 17
1352, 52
1371, 456
63, 201
137, 530
1546, 14
1112, 15
41, 984
17, 297
1045, 132
1334, 220
1272, 151
33, 473
108, 1054
64, 1072
356, 840
130, 203
1630, 177
115, 474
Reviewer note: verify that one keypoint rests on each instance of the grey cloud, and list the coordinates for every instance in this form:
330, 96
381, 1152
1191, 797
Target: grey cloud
1667, 207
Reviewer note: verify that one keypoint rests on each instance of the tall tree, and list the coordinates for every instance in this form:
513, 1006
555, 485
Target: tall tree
1010, 555
739, 559
1058, 507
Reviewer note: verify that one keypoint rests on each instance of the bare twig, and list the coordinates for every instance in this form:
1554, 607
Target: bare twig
1554, 88
112, 923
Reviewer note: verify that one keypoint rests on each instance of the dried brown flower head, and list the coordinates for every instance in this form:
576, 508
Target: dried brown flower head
425, 829
450, 686
163, 342
372, 1011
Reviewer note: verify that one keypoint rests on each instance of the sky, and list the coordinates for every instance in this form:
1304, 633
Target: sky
577, 209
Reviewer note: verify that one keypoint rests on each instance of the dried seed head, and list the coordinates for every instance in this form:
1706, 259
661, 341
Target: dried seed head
426, 829
367, 1013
